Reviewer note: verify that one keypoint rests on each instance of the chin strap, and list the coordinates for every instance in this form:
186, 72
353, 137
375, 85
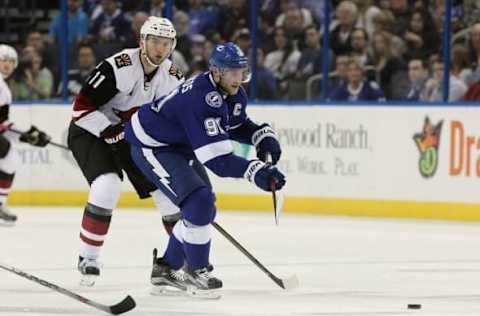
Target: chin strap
149, 60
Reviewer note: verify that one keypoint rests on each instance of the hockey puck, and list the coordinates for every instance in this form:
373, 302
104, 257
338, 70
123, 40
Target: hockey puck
414, 306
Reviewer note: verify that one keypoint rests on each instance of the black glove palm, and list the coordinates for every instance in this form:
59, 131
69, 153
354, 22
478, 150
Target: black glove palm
35, 137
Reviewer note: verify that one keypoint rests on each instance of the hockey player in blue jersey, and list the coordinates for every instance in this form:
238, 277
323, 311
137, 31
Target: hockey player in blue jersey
174, 137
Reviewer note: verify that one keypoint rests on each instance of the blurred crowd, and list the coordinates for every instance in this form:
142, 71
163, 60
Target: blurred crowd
378, 49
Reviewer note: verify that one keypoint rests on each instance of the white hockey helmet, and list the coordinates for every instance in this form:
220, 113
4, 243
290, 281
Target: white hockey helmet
7, 52
161, 27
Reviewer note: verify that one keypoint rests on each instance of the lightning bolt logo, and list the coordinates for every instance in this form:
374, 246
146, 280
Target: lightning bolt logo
162, 174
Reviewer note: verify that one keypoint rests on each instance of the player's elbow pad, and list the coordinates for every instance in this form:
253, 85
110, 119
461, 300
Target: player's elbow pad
228, 166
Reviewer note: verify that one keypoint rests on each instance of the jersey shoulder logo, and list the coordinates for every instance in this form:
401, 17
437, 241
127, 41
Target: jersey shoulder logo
174, 71
123, 60
214, 99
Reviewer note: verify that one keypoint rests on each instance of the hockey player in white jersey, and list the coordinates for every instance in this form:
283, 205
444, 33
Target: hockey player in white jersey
108, 98
8, 155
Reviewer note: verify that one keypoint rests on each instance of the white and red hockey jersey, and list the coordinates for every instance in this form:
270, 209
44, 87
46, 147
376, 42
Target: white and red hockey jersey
117, 87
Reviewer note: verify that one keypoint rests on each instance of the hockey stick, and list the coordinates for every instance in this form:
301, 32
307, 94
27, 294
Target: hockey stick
16, 131
277, 197
287, 284
124, 306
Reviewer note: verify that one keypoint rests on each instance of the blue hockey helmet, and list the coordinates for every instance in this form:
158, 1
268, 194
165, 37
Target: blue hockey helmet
229, 55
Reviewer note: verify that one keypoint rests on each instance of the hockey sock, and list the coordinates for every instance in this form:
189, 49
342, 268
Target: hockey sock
6, 180
95, 224
197, 255
174, 256
196, 244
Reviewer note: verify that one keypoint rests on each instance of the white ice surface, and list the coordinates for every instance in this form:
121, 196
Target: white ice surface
346, 266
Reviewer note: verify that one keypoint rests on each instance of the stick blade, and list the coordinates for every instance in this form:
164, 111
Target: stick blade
124, 306
290, 283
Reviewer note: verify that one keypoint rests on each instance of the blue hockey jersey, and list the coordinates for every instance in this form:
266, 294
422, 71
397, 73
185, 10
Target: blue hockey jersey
195, 117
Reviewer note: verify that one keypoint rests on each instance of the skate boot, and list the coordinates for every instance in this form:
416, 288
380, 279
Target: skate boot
164, 279
6, 216
89, 269
201, 283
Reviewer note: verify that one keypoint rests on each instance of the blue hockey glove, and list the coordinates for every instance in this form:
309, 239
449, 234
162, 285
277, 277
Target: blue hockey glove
265, 176
266, 142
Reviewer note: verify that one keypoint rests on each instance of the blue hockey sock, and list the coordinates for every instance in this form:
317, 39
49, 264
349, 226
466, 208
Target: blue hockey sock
197, 255
174, 255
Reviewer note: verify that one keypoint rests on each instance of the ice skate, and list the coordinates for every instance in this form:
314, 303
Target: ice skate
201, 283
89, 269
165, 280
6, 216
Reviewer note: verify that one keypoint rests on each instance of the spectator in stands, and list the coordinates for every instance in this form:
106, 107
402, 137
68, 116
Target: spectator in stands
473, 93
310, 62
233, 15
35, 39
434, 87
360, 47
366, 13
388, 66
474, 50
77, 24
86, 63
383, 22
110, 25
89, 7
197, 62
202, 19
241, 37
316, 8
266, 82
402, 12
154, 7
422, 39
291, 7
295, 24
460, 66
471, 12
33, 81
283, 61
132, 38
340, 35
357, 88
340, 75
181, 23
417, 77
265, 34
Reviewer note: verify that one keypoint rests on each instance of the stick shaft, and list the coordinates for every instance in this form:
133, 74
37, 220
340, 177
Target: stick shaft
16, 131
237, 245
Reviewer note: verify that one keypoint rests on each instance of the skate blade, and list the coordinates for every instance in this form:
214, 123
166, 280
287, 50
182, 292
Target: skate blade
203, 294
165, 290
88, 280
5, 223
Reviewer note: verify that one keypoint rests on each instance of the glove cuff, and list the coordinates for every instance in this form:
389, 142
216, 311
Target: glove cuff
263, 132
113, 134
252, 170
